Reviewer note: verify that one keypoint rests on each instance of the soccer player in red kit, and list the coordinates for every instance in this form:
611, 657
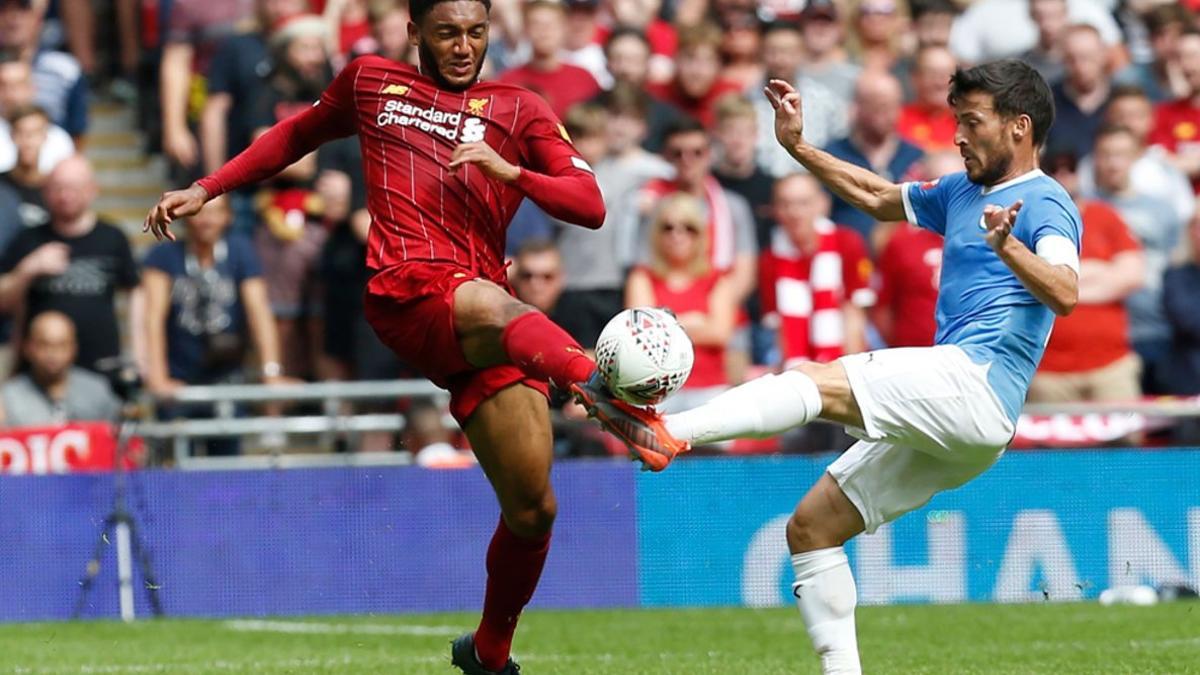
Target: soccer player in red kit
447, 160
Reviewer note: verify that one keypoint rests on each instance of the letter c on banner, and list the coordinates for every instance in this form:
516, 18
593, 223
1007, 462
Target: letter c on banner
67, 444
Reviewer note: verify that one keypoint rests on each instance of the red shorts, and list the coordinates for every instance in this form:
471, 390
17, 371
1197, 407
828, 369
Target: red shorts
411, 308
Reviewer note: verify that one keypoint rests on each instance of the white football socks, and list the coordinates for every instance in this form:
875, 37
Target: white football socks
760, 408
826, 596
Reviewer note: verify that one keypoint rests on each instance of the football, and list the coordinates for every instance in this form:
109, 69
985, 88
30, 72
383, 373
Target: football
644, 355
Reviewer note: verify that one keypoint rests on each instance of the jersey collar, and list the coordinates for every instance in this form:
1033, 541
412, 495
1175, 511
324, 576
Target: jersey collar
1036, 173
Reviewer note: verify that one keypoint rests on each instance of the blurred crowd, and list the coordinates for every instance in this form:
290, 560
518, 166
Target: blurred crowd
707, 214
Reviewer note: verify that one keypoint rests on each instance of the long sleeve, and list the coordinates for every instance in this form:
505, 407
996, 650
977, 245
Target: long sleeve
330, 118
555, 177
573, 197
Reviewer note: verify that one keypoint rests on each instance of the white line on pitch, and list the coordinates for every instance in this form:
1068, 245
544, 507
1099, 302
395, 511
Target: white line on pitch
315, 628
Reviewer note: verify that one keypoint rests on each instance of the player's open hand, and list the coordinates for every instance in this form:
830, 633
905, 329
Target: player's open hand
172, 205
789, 121
998, 223
488, 160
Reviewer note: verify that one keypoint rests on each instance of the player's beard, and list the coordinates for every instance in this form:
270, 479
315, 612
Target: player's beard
429, 67
995, 170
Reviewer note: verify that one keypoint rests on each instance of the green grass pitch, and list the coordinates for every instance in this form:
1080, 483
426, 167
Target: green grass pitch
1050, 638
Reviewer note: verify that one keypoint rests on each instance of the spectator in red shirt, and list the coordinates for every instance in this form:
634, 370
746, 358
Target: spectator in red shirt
560, 83
928, 122
815, 277
910, 271
697, 84
1089, 357
1177, 124
681, 278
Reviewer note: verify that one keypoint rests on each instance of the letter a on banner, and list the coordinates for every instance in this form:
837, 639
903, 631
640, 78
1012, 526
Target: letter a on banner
1037, 545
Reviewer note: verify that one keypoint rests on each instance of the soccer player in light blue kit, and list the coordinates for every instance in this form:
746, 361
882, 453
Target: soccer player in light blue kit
931, 418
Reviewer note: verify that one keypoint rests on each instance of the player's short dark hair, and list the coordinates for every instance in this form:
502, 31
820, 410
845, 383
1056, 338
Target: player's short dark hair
1016, 89
684, 124
417, 9
622, 32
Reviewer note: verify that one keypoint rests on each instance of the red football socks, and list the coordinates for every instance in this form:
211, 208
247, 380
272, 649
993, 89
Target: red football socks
544, 351
514, 565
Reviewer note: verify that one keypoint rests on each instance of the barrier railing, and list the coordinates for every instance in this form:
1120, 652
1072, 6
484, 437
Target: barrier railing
333, 422
1081, 422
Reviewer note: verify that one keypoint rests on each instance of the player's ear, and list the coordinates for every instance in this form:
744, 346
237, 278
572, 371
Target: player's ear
1022, 127
414, 34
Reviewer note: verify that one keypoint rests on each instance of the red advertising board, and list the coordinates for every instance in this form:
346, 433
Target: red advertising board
73, 448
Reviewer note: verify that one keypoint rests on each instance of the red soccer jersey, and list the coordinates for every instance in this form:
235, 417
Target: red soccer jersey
408, 128
909, 270
1177, 128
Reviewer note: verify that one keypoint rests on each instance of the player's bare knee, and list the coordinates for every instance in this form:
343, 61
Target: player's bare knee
804, 533
533, 517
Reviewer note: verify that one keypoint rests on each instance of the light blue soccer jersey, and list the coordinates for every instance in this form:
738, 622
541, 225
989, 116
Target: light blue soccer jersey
982, 307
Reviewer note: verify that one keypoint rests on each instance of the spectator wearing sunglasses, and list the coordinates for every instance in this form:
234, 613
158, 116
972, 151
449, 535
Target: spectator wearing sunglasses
731, 245
681, 278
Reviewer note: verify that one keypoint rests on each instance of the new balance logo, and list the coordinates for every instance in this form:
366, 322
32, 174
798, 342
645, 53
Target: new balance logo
395, 90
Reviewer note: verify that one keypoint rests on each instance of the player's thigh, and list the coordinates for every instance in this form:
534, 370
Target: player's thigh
510, 434
1053, 388
838, 402
1118, 381
481, 311
885, 481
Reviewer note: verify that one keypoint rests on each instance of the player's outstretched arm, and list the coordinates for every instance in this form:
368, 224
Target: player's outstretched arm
280, 147
874, 195
1054, 285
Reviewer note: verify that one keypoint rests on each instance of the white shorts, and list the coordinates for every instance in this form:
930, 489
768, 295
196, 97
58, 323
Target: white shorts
932, 422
